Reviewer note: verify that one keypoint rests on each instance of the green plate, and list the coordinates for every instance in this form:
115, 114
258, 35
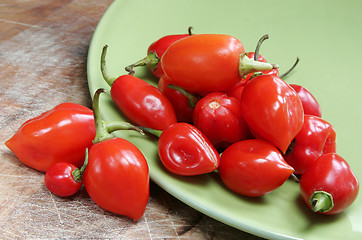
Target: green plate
325, 34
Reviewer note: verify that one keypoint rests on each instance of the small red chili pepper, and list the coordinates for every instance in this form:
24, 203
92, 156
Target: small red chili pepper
317, 137
219, 117
64, 179
142, 103
185, 150
329, 185
155, 52
58, 135
117, 174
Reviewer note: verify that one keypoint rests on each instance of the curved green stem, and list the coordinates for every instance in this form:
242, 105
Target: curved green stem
104, 71
151, 60
78, 173
257, 49
290, 69
321, 201
192, 99
112, 126
101, 130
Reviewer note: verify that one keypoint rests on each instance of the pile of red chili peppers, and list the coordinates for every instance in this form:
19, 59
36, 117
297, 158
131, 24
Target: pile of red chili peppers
216, 108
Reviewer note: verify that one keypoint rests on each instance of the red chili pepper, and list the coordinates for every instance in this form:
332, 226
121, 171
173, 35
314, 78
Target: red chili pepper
253, 168
272, 110
208, 62
117, 175
142, 103
329, 186
155, 52
219, 117
64, 179
58, 135
310, 103
184, 150
317, 137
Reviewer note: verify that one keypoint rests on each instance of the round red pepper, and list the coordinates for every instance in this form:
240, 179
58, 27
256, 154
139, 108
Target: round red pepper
317, 137
253, 168
142, 103
59, 135
208, 62
63, 179
219, 117
329, 186
272, 110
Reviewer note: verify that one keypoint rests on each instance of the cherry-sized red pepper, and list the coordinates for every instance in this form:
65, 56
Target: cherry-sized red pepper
185, 150
155, 52
219, 117
329, 185
208, 62
317, 137
117, 175
64, 179
59, 135
310, 103
272, 110
142, 103
253, 168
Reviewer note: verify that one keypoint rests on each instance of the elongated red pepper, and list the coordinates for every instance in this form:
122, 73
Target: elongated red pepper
142, 103
59, 135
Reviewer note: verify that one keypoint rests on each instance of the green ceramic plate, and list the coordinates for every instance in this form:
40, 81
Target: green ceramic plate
325, 34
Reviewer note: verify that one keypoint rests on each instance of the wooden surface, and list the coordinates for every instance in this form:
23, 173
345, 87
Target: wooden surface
43, 55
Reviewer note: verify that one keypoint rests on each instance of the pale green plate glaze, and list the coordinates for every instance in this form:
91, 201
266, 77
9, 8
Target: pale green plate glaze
325, 34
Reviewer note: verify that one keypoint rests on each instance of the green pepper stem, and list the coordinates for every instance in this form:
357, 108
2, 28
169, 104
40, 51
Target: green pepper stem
101, 130
78, 173
247, 65
109, 80
151, 60
154, 132
321, 201
113, 126
192, 99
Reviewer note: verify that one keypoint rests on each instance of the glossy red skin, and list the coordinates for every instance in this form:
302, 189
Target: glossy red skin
219, 117
59, 135
253, 168
60, 181
183, 109
272, 110
332, 174
184, 150
317, 137
310, 103
159, 47
142, 103
117, 177
203, 62
236, 91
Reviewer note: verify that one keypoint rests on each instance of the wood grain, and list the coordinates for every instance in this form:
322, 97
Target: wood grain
43, 55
